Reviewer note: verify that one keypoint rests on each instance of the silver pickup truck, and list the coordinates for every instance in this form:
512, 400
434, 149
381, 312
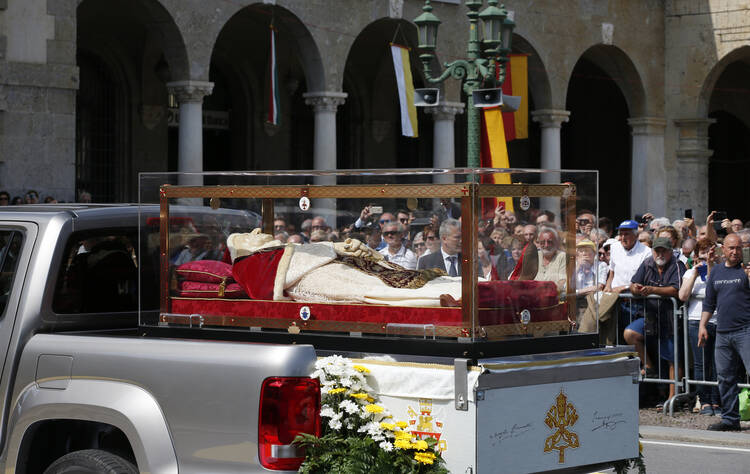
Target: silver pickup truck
83, 391
121, 358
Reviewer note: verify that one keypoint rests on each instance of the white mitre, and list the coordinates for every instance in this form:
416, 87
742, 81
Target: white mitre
240, 245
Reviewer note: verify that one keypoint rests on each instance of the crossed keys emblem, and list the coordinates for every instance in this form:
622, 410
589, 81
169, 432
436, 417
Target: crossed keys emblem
560, 417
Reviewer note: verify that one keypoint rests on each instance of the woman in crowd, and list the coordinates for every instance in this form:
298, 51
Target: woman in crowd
692, 291
485, 247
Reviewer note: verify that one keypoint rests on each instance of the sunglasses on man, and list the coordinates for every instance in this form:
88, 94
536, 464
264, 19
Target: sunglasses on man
391, 233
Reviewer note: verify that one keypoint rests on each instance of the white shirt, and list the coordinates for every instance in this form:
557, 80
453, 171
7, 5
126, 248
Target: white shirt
586, 276
626, 262
695, 302
447, 262
404, 257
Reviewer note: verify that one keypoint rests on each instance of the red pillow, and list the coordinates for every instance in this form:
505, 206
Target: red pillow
194, 289
205, 271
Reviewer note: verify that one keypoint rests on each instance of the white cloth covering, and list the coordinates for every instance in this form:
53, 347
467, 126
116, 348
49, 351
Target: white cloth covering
415, 380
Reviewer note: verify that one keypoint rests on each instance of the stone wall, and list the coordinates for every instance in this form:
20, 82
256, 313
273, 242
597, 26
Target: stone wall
38, 82
667, 56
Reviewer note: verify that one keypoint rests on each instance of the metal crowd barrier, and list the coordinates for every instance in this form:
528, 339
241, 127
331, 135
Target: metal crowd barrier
637, 306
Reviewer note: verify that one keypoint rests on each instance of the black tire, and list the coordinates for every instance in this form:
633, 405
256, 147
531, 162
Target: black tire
91, 461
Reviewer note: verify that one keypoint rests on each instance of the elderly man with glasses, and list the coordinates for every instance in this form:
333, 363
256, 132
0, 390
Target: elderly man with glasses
395, 250
551, 259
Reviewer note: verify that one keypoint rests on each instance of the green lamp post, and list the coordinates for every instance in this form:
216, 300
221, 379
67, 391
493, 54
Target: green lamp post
484, 67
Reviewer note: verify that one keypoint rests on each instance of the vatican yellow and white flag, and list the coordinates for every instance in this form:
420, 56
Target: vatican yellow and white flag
405, 90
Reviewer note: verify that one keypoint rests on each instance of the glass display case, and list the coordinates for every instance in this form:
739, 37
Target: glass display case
465, 262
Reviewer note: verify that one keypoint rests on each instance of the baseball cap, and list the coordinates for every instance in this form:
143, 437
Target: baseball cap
629, 224
609, 243
662, 242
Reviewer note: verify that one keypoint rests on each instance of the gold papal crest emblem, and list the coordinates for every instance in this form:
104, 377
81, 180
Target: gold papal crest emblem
560, 417
423, 425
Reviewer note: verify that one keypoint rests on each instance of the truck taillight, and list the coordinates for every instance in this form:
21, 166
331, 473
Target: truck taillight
288, 406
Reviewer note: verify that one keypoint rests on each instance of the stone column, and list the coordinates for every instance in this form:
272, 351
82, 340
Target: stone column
190, 95
444, 140
692, 164
648, 180
324, 106
550, 121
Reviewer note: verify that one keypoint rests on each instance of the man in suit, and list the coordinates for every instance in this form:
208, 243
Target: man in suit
449, 257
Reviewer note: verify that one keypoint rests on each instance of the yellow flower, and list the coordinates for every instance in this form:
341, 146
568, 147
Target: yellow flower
370, 399
387, 426
425, 457
402, 424
374, 408
334, 391
362, 369
402, 444
360, 396
421, 445
405, 435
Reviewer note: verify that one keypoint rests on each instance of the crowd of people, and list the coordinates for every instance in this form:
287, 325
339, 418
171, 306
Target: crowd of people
641, 257
700, 265
32, 197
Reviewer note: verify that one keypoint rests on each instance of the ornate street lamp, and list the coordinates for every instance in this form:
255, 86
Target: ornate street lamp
485, 63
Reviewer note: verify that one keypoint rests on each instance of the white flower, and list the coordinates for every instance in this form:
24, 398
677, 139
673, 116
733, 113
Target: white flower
327, 412
335, 424
349, 406
386, 446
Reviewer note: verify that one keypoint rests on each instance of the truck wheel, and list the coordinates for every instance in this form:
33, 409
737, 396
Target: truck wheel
91, 461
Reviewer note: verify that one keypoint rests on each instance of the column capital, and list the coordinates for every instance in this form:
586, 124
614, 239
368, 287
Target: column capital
190, 91
446, 110
550, 118
692, 145
647, 125
325, 101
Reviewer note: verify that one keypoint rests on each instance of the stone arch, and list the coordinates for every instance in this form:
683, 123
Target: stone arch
621, 69
539, 83
724, 99
140, 44
304, 43
604, 91
738, 55
241, 54
369, 81
160, 20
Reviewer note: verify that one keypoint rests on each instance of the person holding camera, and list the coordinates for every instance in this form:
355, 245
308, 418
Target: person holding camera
728, 294
693, 291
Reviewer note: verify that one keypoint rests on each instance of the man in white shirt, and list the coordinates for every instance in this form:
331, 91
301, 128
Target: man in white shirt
395, 251
624, 259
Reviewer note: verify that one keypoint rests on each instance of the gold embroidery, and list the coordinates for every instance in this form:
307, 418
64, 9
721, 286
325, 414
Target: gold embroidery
560, 417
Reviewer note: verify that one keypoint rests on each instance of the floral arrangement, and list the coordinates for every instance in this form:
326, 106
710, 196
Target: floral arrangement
624, 466
359, 435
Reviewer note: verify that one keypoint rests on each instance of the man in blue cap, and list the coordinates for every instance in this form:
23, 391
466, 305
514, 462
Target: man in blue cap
625, 258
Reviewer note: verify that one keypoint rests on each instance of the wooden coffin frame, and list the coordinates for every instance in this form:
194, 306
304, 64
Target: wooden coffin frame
469, 194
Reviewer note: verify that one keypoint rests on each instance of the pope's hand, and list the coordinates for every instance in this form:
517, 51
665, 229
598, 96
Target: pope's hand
356, 248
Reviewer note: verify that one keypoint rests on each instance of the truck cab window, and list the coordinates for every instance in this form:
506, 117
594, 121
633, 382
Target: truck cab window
99, 273
10, 249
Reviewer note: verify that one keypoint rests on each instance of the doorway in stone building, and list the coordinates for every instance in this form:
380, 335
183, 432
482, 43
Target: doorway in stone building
597, 136
729, 139
369, 122
101, 130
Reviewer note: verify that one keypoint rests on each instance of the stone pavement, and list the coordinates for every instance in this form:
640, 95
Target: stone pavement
689, 427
